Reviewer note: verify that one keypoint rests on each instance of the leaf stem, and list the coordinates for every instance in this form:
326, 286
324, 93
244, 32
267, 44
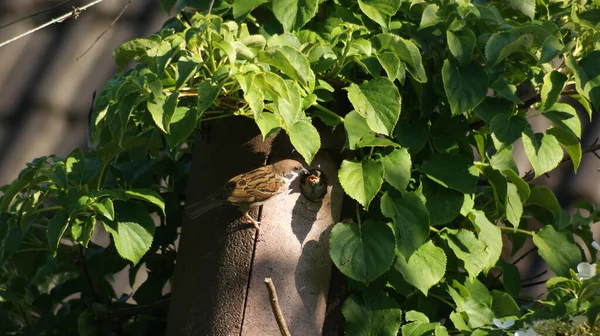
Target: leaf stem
358, 215
444, 300
432, 229
52, 208
516, 230
328, 112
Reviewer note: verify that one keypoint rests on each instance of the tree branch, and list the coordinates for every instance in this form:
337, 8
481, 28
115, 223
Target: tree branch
75, 12
276, 309
35, 14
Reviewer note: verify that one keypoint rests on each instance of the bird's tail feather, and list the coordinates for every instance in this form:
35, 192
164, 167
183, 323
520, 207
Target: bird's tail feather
197, 209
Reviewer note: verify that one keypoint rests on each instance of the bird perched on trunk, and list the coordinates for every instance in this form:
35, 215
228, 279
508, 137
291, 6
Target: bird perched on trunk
251, 189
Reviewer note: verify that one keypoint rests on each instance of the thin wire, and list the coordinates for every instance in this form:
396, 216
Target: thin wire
75, 12
35, 14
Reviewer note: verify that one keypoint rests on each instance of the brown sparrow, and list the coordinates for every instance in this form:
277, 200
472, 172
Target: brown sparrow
251, 189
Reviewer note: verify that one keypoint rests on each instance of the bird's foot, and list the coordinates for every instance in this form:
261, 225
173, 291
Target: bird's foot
251, 220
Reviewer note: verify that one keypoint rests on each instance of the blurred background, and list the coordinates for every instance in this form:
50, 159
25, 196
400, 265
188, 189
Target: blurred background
47, 80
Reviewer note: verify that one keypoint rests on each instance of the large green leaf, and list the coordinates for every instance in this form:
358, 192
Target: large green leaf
396, 168
294, 14
554, 82
544, 197
361, 180
81, 230
452, 171
362, 252
81, 169
305, 138
558, 250
379, 11
467, 248
489, 234
542, 150
56, 228
507, 129
379, 315
378, 101
461, 44
564, 116
424, 268
147, 195
209, 90
292, 63
411, 219
132, 230
406, 50
241, 8
465, 87
569, 142
526, 7
587, 75
513, 205
442, 203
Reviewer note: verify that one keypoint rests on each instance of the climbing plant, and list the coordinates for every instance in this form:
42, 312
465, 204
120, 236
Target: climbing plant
434, 98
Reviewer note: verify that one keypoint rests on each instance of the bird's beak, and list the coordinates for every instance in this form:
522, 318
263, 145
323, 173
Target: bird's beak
304, 171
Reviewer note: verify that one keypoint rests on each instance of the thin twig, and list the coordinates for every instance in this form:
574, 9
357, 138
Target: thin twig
276, 309
540, 274
75, 12
35, 14
106, 30
86, 274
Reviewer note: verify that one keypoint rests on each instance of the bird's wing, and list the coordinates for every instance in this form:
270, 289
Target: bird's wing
255, 186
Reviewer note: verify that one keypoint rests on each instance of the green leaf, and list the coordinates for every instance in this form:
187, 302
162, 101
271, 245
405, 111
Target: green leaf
105, 208
184, 122
396, 168
507, 129
491, 107
268, 123
80, 169
569, 142
147, 195
430, 17
294, 14
155, 106
132, 230
377, 316
467, 248
390, 62
465, 87
412, 135
56, 228
461, 44
378, 101
489, 234
169, 110
209, 90
551, 48
513, 205
419, 328
379, 11
542, 150
451, 171
424, 268
442, 203
134, 49
544, 197
305, 138
362, 252
81, 230
357, 129
525, 7
564, 116
86, 321
587, 75
241, 8
411, 219
511, 277
557, 249
554, 82
507, 90
406, 50
292, 63
361, 180
522, 186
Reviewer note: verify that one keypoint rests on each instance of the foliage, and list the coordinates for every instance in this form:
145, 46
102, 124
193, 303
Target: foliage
434, 96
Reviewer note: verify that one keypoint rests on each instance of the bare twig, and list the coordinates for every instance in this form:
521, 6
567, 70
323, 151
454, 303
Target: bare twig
276, 309
104, 32
35, 14
75, 12
88, 277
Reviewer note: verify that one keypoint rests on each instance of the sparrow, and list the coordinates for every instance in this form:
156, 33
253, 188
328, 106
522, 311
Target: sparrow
251, 189
313, 184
